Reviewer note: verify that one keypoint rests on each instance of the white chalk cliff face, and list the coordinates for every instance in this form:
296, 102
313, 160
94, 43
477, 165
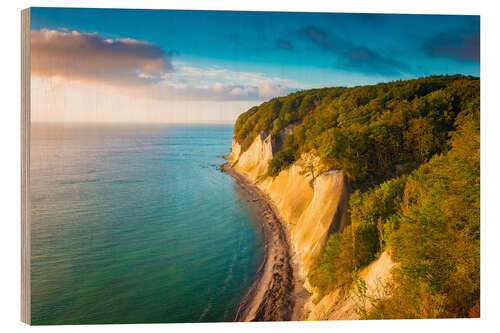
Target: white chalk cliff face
253, 162
311, 210
235, 150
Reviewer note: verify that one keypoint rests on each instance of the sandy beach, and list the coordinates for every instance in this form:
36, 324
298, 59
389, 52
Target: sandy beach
276, 292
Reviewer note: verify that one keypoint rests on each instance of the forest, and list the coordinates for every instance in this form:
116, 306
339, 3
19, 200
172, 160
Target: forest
411, 152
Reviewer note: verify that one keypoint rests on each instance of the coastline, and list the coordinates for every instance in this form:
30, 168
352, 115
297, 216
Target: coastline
276, 291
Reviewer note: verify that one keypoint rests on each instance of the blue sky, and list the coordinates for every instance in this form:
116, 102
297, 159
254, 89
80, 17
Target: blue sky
223, 56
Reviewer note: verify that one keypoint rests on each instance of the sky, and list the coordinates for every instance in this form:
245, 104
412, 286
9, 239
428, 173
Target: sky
173, 66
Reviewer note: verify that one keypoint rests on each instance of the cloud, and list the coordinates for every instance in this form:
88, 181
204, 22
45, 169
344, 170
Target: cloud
457, 44
143, 69
90, 57
284, 44
350, 56
189, 82
168, 90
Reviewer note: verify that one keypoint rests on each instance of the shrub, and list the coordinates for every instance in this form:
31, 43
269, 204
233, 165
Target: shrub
334, 265
366, 244
280, 161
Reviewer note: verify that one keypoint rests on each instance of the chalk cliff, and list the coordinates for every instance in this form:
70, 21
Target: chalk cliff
311, 209
253, 162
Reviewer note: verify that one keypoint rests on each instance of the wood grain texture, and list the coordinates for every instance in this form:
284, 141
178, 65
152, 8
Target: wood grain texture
25, 167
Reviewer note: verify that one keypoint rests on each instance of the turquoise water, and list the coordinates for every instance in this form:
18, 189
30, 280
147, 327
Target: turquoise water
135, 224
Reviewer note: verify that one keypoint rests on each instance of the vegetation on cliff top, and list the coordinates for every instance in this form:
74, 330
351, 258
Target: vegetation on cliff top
370, 132
412, 150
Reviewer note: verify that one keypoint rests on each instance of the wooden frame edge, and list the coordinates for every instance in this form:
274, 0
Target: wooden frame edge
25, 167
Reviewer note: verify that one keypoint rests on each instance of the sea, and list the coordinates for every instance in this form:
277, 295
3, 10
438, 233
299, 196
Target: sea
137, 224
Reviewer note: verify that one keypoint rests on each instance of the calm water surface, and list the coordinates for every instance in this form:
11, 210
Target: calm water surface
134, 224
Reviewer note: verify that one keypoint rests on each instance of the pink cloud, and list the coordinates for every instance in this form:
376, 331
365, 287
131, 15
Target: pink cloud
91, 58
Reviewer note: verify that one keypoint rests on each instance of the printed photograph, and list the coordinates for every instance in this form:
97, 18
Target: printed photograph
216, 166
